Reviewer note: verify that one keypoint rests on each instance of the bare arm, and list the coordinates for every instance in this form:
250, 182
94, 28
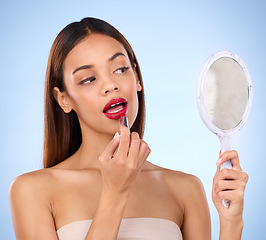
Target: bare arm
119, 173
196, 223
32, 210
230, 184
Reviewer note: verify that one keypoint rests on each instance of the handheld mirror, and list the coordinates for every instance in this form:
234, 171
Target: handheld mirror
224, 98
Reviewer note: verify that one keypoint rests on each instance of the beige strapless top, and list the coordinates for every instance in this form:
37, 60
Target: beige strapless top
130, 229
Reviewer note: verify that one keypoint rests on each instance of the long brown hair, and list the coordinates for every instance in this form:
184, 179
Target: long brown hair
62, 133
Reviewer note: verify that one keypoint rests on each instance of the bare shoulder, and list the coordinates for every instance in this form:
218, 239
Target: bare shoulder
180, 184
35, 182
188, 193
30, 205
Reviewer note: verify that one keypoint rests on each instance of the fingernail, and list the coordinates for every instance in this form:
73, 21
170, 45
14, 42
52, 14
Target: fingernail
218, 162
116, 136
124, 121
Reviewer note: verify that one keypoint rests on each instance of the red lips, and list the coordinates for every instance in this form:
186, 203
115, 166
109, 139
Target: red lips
115, 108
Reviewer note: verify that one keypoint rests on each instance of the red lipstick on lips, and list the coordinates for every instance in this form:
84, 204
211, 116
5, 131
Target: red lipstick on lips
115, 108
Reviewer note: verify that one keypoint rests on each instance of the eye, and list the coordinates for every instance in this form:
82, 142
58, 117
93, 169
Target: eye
90, 79
122, 69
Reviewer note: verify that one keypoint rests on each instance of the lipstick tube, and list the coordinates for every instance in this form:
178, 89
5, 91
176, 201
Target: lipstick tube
124, 121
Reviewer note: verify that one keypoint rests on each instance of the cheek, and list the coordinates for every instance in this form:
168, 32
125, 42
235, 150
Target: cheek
131, 90
84, 102
133, 100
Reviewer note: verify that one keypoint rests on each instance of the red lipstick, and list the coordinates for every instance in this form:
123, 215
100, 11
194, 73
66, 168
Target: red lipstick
115, 108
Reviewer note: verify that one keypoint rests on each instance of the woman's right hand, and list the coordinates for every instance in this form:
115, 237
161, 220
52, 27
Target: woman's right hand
121, 164
122, 160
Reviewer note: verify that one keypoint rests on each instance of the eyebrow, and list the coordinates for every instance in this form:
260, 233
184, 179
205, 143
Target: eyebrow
81, 68
116, 55
91, 66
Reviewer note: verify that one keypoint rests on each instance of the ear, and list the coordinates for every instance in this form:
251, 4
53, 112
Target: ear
62, 99
139, 87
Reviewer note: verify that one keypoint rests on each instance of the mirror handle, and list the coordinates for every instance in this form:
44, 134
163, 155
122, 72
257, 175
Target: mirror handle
226, 146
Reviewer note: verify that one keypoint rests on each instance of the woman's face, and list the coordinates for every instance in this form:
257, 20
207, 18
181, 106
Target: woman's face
97, 73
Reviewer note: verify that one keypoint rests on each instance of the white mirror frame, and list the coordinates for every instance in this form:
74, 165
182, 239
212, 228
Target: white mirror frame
200, 101
225, 136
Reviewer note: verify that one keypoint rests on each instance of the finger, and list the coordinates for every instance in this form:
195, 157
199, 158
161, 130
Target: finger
233, 157
124, 142
232, 195
143, 153
134, 148
231, 174
225, 185
111, 148
216, 175
228, 179
147, 153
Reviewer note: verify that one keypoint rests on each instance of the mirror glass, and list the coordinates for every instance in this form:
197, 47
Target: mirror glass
225, 93
224, 98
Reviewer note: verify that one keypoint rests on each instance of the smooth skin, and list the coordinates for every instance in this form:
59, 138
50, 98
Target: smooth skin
109, 177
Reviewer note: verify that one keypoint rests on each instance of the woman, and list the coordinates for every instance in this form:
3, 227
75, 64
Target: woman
96, 182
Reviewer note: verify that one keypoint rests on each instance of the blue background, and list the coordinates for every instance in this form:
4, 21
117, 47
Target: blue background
172, 40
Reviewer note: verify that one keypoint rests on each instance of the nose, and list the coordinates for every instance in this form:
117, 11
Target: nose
110, 90
110, 86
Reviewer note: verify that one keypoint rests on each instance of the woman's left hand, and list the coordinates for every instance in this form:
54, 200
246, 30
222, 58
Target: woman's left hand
229, 184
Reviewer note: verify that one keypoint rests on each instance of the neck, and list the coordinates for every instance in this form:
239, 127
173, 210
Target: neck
92, 146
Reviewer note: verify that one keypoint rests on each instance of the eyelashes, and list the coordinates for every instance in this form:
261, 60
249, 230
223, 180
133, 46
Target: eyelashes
90, 79
122, 69
119, 71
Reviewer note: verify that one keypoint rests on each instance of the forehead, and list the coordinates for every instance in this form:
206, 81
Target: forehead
93, 49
